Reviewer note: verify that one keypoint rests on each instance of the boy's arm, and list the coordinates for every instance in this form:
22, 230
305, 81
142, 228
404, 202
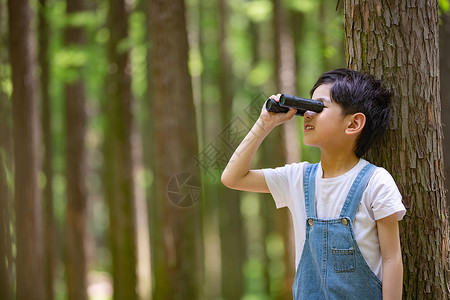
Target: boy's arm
388, 234
237, 174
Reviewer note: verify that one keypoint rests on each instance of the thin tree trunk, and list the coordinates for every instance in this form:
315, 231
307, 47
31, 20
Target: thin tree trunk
49, 228
75, 118
148, 155
285, 76
298, 32
25, 128
232, 240
266, 203
398, 41
119, 158
5, 199
285, 83
141, 151
6, 203
207, 35
176, 224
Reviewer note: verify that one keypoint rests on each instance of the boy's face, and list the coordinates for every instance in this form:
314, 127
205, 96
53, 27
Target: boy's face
326, 129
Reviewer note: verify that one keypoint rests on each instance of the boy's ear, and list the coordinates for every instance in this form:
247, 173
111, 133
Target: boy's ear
356, 124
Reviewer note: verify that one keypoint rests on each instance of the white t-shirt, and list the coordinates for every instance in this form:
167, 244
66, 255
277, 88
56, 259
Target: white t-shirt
380, 199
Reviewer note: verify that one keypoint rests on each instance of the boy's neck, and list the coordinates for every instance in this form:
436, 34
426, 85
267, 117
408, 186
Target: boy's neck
335, 165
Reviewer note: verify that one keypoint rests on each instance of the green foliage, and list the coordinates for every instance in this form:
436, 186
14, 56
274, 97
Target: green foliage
138, 46
305, 6
260, 74
5, 79
258, 10
68, 62
4, 168
238, 41
56, 14
86, 19
444, 5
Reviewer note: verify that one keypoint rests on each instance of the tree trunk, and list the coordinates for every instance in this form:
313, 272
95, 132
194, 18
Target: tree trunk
176, 220
398, 41
75, 118
268, 212
203, 32
25, 129
119, 158
285, 67
444, 44
148, 155
6, 203
5, 198
232, 240
47, 201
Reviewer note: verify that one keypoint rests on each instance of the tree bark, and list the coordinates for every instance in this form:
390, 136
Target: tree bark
444, 47
203, 32
148, 155
232, 239
25, 129
75, 118
119, 157
177, 254
398, 41
47, 201
285, 68
5, 199
6, 261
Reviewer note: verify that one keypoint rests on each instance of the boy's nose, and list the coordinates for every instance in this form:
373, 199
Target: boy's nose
308, 115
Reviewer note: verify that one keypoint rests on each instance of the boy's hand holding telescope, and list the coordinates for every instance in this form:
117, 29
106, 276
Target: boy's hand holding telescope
282, 107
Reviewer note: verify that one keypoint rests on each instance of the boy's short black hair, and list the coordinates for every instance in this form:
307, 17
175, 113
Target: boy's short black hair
359, 92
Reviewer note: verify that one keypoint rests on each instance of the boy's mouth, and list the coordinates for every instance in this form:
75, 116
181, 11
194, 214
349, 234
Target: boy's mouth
308, 127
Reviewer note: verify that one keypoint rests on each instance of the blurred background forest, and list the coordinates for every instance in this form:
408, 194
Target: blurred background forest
103, 192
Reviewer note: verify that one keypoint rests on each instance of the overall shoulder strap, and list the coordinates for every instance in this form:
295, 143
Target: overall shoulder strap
356, 191
309, 183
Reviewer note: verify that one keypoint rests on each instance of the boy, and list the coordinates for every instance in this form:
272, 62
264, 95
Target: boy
345, 210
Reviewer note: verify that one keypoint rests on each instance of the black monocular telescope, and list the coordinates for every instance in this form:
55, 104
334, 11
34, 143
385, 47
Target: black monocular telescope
287, 101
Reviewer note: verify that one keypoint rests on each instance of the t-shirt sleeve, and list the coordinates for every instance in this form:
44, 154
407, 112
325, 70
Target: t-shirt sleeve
279, 182
386, 198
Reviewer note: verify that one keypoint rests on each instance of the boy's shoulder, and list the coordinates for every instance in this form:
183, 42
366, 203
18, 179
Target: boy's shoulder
382, 176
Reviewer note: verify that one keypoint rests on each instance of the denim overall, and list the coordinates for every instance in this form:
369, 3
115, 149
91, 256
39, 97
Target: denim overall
332, 266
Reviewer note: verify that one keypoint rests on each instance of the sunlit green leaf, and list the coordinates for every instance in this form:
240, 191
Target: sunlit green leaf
102, 36
82, 19
258, 10
124, 45
329, 52
260, 74
70, 57
444, 5
304, 5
